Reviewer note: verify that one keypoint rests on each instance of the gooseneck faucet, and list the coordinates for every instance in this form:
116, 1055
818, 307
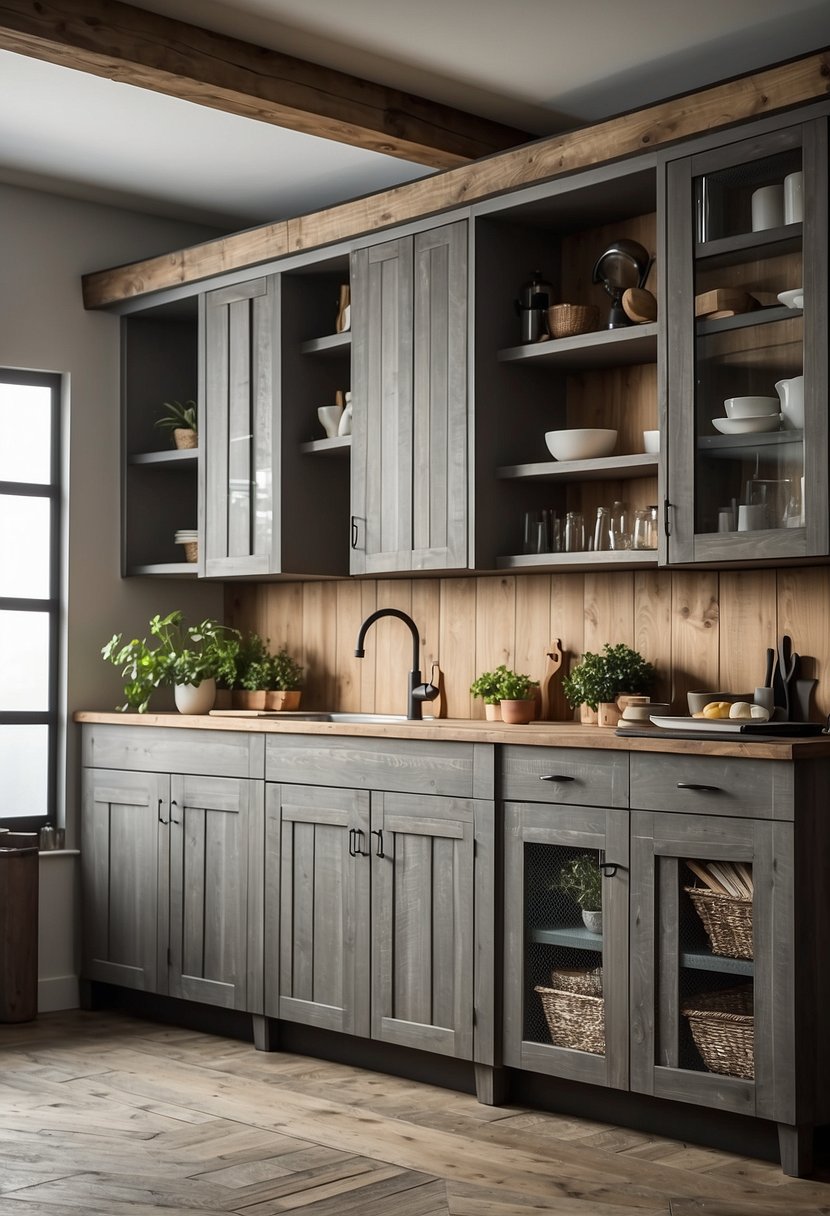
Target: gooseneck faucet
417, 692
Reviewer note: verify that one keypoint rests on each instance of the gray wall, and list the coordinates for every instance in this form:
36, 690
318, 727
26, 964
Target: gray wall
46, 243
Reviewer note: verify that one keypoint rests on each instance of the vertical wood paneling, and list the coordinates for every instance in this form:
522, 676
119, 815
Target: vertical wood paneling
804, 613
303, 890
652, 626
457, 649
695, 633
748, 624
391, 642
327, 962
532, 624
609, 610
193, 892
495, 626
349, 671
412, 918
281, 615
444, 896
320, 648
567, 622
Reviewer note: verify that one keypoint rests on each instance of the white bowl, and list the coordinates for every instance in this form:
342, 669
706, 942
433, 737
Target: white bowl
747, 426
584, 443
793, 299
751, 407
642, 713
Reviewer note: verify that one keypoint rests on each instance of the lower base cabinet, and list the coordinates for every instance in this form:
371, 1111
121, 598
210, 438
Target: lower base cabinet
172, 880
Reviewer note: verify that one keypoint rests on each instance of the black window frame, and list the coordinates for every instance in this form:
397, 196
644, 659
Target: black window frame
52, 381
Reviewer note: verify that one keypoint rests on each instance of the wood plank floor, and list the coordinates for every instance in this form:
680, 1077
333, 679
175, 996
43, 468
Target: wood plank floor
105, 1114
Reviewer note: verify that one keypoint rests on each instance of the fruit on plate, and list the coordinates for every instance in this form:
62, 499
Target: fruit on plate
717, 709
746, 712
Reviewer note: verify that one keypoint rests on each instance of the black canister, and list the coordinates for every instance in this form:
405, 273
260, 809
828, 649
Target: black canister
535, 298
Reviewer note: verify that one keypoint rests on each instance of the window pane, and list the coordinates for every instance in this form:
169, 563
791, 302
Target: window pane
25, 433
24, 661
24, 765
24, 546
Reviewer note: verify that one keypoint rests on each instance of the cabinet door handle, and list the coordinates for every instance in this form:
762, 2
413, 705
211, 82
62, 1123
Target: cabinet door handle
705, 789
556, 777
172, 820
161, 817
355, 536
355, 842
379, 850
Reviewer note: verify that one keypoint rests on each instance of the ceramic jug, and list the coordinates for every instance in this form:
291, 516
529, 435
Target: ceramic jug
791, 393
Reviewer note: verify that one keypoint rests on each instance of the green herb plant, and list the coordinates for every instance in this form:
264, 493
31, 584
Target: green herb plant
487, 686
581, 879
602, 677
180, 416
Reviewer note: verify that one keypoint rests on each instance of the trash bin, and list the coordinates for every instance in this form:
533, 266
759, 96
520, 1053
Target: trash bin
18, 926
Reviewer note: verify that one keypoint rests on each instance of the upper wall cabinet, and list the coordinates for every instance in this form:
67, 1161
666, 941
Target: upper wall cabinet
409, 368
747, 349
538, 509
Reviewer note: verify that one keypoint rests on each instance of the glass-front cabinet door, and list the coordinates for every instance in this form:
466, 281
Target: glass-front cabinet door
747, 349
566, 952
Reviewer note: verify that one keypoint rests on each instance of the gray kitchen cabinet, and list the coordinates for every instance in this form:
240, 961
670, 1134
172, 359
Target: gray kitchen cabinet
409, 388
373, 912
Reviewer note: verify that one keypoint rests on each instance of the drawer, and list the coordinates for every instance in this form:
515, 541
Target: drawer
352, 762
158, 749
566, 775
712, 785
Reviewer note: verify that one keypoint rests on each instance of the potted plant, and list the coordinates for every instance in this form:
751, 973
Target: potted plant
599, 679
488, 687
181, 421
581, 879
251, 679
285, 680
517, 698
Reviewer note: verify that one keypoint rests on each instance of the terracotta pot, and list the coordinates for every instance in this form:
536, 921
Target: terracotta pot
518, 713
184, 438
588, 716
492, 713
282, 698
609, 713
195, 698
249, 700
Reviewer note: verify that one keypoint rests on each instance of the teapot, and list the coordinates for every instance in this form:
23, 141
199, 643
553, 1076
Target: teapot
791, 393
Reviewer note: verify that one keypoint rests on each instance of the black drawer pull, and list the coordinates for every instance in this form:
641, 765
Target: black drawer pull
556, 777
705, 789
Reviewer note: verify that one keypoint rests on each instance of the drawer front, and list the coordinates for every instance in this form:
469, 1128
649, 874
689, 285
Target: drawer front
399, 765
566, 775
205, 753
712, 785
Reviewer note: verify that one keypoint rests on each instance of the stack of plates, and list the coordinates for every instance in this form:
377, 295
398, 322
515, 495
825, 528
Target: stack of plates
185, 536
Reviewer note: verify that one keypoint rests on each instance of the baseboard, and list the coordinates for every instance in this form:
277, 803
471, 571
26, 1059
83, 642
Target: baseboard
57, 992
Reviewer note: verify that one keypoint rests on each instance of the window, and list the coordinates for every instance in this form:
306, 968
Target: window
29, 605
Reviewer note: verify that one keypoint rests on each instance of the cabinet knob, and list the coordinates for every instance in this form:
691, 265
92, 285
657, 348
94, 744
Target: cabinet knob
556, 777
705, 789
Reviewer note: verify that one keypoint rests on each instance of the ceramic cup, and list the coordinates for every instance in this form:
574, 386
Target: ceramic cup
768, 208
751, 517
793, 200
651, 441
329, 416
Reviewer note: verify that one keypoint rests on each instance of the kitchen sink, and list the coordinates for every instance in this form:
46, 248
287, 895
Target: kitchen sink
314, 715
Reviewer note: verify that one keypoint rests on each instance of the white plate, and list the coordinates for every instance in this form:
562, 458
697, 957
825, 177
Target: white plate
729, 724
792, 299
747, 426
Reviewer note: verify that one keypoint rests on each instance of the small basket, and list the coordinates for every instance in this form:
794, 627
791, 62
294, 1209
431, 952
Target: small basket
191, 550
567, 320
727, 921
723, 1028
575, 1019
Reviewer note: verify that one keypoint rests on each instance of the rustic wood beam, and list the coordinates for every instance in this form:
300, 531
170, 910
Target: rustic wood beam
133, 46
765, 92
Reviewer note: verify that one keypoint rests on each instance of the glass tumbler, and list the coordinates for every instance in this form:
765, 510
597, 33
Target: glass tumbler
574, 538
644, 533
603, 534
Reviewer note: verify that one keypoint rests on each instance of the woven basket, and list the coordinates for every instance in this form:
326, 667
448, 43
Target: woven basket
191, 550
566, 320
574, 1019
723, 1028
727, 921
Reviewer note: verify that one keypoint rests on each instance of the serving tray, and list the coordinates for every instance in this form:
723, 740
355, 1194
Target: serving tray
736, 726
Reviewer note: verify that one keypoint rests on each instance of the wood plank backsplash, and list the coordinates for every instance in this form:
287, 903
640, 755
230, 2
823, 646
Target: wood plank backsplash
702, 629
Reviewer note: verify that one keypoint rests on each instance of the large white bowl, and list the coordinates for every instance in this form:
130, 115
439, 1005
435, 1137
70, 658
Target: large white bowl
751, 407
747, 426
584, 443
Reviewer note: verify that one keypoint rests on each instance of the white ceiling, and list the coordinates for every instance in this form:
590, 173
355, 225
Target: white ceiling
540, 65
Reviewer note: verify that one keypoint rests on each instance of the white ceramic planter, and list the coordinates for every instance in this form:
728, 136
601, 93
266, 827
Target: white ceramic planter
196, 698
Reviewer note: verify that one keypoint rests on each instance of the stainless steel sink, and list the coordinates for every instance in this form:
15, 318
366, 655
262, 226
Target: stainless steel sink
314, 715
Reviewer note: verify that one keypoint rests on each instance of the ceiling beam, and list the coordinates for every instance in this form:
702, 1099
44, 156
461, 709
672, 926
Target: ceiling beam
133, 46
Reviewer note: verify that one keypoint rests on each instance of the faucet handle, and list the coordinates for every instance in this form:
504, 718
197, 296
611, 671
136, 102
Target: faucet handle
431, 690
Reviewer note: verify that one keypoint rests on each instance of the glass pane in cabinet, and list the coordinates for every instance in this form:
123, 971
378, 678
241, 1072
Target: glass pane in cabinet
563, 948
715, 978
757, 196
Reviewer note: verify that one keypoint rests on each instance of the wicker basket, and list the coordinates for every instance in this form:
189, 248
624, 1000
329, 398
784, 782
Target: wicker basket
566, 320
723, 1028
727, 921
575, 1018
191, 550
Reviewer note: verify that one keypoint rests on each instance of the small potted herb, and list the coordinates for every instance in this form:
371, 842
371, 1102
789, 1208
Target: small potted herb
599, 679
180, 420
517, 698
285, 682
487, 686
581, 880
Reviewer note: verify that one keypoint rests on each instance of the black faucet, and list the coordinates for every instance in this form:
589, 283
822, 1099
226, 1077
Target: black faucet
417, 692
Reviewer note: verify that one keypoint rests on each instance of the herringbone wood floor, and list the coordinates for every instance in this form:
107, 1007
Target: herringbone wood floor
104, 1114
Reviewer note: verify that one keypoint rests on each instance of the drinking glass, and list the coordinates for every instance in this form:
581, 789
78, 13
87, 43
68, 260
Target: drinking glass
574, 539
620, 527
644, 534
603, 535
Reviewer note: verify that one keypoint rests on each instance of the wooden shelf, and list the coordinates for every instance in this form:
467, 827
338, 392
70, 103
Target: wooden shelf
759, 316
727, 446
640, 464
171, 569
173, 459
626, 559
576, 937
704, 960
603, 348
339, 446
731, 250
331, 344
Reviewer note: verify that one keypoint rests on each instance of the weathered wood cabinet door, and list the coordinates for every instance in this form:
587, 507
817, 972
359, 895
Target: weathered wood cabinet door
673, 962
216, 891
317, 916
238, 429
545, 933
422, 922
124, 867
409, 386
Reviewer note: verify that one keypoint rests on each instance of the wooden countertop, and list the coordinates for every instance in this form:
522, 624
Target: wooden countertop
468, 730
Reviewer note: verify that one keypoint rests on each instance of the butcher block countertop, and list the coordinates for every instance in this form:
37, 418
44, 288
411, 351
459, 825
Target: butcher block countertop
467, 730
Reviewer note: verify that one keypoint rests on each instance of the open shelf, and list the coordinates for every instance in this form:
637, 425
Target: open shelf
175, 458
330, 344
171, 569
602, 348
757, 316
625, 559
704, 960
575, 936
731, 250
738, 445
639, 464
339, 446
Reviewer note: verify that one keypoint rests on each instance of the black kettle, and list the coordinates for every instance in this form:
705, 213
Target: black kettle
535, 298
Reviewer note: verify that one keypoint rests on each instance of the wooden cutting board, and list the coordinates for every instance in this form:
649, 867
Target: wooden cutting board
723, 302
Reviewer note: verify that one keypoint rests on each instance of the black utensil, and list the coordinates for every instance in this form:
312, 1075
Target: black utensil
783, 673
768, 672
